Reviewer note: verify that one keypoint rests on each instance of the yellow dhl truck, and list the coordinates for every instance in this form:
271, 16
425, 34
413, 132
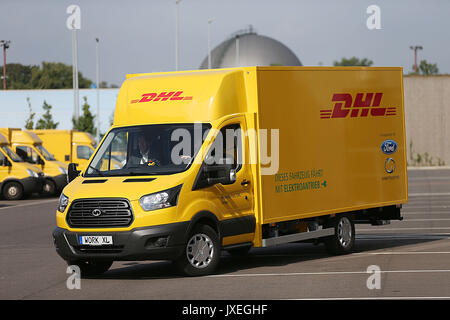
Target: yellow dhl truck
28, 146
68, 146
230, 159
17, 178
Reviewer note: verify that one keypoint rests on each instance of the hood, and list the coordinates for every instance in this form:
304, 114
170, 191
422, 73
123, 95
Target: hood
26, 165
129, 187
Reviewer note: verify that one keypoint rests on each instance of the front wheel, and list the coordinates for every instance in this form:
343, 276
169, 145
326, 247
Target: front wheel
13, 191
343, 240
201, 253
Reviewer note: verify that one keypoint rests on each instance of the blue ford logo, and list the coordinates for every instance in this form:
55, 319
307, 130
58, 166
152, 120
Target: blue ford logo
389, 146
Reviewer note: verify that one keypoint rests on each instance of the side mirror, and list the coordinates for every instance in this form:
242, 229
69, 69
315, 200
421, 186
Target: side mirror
72, 172
223, 173
5, 163
40, 161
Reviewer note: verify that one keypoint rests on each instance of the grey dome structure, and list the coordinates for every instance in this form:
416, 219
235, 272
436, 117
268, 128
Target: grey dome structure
250, 49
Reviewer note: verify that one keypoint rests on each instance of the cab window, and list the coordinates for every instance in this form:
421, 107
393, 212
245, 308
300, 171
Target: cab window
28, 154
228, 145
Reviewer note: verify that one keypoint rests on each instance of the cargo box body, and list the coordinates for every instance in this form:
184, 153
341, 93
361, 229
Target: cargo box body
341, 140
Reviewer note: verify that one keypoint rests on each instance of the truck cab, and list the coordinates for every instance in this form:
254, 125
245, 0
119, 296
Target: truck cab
69, 146
28, 146
83, 147
17, 178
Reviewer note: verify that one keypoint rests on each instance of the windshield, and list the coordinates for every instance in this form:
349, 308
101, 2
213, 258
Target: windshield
14, 157
47, 155
148, 150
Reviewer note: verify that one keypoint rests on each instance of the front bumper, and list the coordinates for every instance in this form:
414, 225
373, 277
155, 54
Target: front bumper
32, 184
60, 181
136, 244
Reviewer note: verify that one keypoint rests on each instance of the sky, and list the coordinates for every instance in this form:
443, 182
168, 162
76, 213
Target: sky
139, 36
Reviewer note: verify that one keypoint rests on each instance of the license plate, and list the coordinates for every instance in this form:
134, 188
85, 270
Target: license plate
96, 240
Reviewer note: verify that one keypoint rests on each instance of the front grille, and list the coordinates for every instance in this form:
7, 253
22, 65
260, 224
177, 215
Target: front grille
113, 213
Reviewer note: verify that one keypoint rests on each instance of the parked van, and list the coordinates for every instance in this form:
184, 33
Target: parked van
231, 159
28, 146
17, 178
68, 145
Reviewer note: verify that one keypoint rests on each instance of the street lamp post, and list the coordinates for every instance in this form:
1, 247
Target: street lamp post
5, 45
415, 48
97, 79
209, 42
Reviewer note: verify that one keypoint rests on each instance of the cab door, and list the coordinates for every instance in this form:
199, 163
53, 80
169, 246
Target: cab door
235, 202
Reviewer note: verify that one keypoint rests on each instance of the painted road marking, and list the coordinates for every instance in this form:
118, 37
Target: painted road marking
29, 204
326, 273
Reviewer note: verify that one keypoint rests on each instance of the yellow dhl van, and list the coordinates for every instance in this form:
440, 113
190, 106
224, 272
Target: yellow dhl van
68, 146
238, 158
28, 146
17, 178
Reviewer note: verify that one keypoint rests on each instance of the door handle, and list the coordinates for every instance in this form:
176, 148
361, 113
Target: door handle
245, 183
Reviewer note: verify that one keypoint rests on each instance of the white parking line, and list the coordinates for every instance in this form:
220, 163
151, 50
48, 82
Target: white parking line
432, 219
329, 273
399, 229
429, 194
29, 204
402, 252
378, 298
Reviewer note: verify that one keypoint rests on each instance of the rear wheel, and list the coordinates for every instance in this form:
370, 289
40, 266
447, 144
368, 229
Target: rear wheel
343, 240
91, 267
13, 191
201, 254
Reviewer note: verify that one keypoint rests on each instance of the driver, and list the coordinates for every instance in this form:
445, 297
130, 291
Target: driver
143, 155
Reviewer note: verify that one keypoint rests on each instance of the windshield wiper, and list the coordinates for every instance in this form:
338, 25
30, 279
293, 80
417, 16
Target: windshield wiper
96, 170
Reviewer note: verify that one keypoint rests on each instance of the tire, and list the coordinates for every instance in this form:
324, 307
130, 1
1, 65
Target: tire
343, 240
49, 188
13, 191
239, 252
201, 252
92, 267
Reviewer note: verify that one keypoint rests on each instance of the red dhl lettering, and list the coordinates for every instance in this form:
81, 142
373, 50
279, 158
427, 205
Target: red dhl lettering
162, 96
364, 105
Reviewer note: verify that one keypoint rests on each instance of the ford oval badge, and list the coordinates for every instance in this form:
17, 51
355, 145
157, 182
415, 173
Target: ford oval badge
389, 146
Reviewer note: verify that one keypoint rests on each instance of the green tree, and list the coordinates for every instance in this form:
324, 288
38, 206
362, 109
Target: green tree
55, 75
353, 62
51, 75
85, 122
427, 69
46, 122
18, 75
29, 123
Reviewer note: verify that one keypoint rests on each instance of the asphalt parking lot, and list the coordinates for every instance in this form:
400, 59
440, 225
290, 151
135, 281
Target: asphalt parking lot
412, 257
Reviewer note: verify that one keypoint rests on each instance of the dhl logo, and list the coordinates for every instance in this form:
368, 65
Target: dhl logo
363, 105
163, 96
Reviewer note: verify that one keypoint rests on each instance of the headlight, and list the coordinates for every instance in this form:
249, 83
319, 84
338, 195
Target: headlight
31, 173
159, 200
63, 170
63, 202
